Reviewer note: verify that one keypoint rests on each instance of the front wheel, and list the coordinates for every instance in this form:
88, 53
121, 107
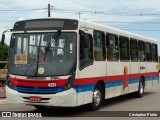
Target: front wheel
97, 99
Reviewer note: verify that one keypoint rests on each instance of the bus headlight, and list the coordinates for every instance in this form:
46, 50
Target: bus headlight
69, 82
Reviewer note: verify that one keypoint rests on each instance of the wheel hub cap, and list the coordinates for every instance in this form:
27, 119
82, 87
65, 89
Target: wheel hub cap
96, 97
141, 88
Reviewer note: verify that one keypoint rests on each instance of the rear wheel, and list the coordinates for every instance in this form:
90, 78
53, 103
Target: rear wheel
98, 98
140, 91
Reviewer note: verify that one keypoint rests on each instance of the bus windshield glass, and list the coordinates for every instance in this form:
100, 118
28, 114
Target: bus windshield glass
41, 54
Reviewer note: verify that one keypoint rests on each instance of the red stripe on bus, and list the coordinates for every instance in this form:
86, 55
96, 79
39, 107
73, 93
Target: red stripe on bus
78, 81
93, 80
38, 83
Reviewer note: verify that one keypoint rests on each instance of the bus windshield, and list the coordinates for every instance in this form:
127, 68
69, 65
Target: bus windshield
41, 54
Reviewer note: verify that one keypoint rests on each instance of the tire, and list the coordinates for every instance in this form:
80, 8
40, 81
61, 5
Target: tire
140, 91
98, 97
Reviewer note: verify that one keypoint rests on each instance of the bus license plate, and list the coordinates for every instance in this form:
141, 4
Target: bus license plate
35, 99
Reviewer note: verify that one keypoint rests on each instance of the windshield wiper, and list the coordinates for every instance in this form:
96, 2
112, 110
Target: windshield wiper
34, 61
55, 38
29, 67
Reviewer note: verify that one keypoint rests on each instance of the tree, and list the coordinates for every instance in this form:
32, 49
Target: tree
4, 52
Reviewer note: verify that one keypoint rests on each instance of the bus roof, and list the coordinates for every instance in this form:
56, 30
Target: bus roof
107, 29
93, 25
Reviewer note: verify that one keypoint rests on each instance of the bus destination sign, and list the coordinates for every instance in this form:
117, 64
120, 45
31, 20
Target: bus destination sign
46, 24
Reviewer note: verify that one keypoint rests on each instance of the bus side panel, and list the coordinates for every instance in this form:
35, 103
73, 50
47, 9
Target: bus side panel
148, 77
143, 69
88, 78
112, 70
108, 92
134, 77
115, 83
125, 69
155, 77
79, 98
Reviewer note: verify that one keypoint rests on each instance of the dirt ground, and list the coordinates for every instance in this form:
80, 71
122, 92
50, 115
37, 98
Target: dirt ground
2, 93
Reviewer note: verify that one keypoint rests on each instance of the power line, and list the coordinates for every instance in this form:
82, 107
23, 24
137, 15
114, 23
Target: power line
153, 30
35, 9
107, 13
79, 12
118, 22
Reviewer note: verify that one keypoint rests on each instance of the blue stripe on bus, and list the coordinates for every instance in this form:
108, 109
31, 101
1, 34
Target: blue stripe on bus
84, 88
113, 83
110, 84
151, 78
133, 80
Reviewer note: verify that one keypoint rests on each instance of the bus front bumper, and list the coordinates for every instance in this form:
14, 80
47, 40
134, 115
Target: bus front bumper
66, 98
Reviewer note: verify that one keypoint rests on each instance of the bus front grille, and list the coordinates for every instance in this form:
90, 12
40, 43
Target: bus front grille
37, 90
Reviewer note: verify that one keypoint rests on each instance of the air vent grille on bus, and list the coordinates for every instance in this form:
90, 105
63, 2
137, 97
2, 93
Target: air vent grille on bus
37, 90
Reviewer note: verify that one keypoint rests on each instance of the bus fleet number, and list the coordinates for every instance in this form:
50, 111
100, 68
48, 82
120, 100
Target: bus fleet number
51, 84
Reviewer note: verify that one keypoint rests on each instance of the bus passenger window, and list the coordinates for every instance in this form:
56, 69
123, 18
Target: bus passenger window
142, 55
124, 48
154, 53
148, 52
112, 47
99, 46
86, 50
134, 50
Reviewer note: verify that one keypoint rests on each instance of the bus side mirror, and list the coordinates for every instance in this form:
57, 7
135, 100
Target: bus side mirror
3, 38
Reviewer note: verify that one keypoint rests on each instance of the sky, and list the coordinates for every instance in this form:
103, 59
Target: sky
137, 16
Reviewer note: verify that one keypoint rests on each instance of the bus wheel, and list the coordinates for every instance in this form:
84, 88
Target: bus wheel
97, 99
140, 91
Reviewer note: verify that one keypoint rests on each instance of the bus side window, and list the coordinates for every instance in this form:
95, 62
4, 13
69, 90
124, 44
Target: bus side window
99, 46
142, 53
154, 53
124, 48
112, 47
148, 52
86, 50
133, 50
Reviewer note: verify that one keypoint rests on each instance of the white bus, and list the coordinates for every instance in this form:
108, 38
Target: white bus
68, 63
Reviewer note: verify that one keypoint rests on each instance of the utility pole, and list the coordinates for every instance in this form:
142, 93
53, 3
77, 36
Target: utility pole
79, 14
49, 10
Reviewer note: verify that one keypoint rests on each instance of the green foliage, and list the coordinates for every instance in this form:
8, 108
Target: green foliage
4, 52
